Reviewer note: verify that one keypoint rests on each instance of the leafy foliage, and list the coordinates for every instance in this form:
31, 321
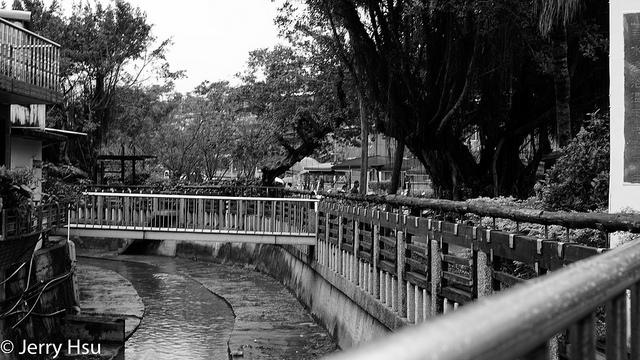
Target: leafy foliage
433, 72
104, 50
298, 96
579, 181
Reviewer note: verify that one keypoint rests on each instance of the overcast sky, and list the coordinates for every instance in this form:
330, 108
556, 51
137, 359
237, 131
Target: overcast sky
211, 38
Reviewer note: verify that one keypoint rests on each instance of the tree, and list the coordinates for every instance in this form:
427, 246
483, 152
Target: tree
434, 73
554, 18
298, 98
99, 46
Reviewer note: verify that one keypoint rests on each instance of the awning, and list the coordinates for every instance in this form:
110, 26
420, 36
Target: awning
65, 132
37, 134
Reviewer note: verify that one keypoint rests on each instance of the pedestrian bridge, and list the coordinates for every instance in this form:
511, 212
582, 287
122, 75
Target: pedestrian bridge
193, 217
510, 295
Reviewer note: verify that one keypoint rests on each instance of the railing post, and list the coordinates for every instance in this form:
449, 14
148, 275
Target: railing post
241, 216
221, 206
436, 278
100, 204
484, 280
400, 268
325, 246
274, 212
375, 238
355, 263
339, 249
128, 211
182, 212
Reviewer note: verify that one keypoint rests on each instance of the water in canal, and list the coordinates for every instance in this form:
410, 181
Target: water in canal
185, 320
182, 319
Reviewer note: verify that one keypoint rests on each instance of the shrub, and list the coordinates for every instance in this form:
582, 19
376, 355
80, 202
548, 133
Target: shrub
579, 180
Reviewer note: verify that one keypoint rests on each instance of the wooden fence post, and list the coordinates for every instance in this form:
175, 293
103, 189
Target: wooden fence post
375, 238
436, 278
355, 264
400, 268
339, 249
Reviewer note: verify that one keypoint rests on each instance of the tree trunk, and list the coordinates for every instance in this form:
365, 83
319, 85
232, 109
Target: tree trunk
364, 136
397, 167
562, 82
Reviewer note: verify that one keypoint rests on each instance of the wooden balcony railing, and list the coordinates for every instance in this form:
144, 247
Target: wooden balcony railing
18, 223
28, 58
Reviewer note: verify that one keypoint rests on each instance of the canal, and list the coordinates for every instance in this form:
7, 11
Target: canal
192, 308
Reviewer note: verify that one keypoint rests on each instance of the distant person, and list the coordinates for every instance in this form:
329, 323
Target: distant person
355, 189
344, 189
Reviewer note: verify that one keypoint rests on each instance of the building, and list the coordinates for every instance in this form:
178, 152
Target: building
29, 81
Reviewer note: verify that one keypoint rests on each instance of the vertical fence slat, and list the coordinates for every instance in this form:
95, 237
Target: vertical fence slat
635, 321
582, 338
616, 320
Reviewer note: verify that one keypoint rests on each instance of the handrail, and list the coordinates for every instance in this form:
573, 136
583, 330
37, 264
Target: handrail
194, 213
195, 197
598, 221
519, 321
29, 32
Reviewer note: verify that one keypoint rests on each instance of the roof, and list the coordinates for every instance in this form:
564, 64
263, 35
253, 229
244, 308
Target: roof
383, 163
37, 133
125, 157
304, 163
374, 161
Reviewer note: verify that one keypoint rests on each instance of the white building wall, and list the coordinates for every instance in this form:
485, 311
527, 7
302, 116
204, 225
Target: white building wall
621, 195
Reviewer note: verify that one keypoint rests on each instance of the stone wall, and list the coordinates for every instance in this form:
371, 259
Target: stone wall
49, 291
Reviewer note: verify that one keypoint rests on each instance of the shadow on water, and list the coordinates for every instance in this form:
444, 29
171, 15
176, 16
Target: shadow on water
182, 320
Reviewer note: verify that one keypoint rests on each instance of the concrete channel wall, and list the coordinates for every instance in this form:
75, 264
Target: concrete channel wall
349, 314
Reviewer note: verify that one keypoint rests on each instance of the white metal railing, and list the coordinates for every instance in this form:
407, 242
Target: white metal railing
28, 57
194, 213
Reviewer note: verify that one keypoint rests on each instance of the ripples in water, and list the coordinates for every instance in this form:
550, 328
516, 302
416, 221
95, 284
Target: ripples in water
182, 320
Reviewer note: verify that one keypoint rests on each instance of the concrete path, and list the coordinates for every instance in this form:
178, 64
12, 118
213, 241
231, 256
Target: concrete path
106, 293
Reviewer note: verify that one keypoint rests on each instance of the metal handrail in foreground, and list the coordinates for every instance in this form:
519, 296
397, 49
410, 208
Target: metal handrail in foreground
518, 323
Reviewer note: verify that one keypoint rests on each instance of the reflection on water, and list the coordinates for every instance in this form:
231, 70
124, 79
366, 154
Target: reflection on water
182, 319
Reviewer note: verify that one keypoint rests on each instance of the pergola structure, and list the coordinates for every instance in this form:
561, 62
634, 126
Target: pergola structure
106, 163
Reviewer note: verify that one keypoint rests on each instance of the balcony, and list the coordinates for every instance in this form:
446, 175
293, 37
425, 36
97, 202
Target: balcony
29, 67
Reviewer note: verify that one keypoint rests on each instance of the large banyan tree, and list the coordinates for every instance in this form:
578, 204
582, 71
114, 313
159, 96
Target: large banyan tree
435, 74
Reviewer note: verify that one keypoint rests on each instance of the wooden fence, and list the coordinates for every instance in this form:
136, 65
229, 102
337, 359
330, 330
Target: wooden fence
420, 267
528, 322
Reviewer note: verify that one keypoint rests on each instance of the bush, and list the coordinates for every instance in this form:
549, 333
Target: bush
579, 181
380, 187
